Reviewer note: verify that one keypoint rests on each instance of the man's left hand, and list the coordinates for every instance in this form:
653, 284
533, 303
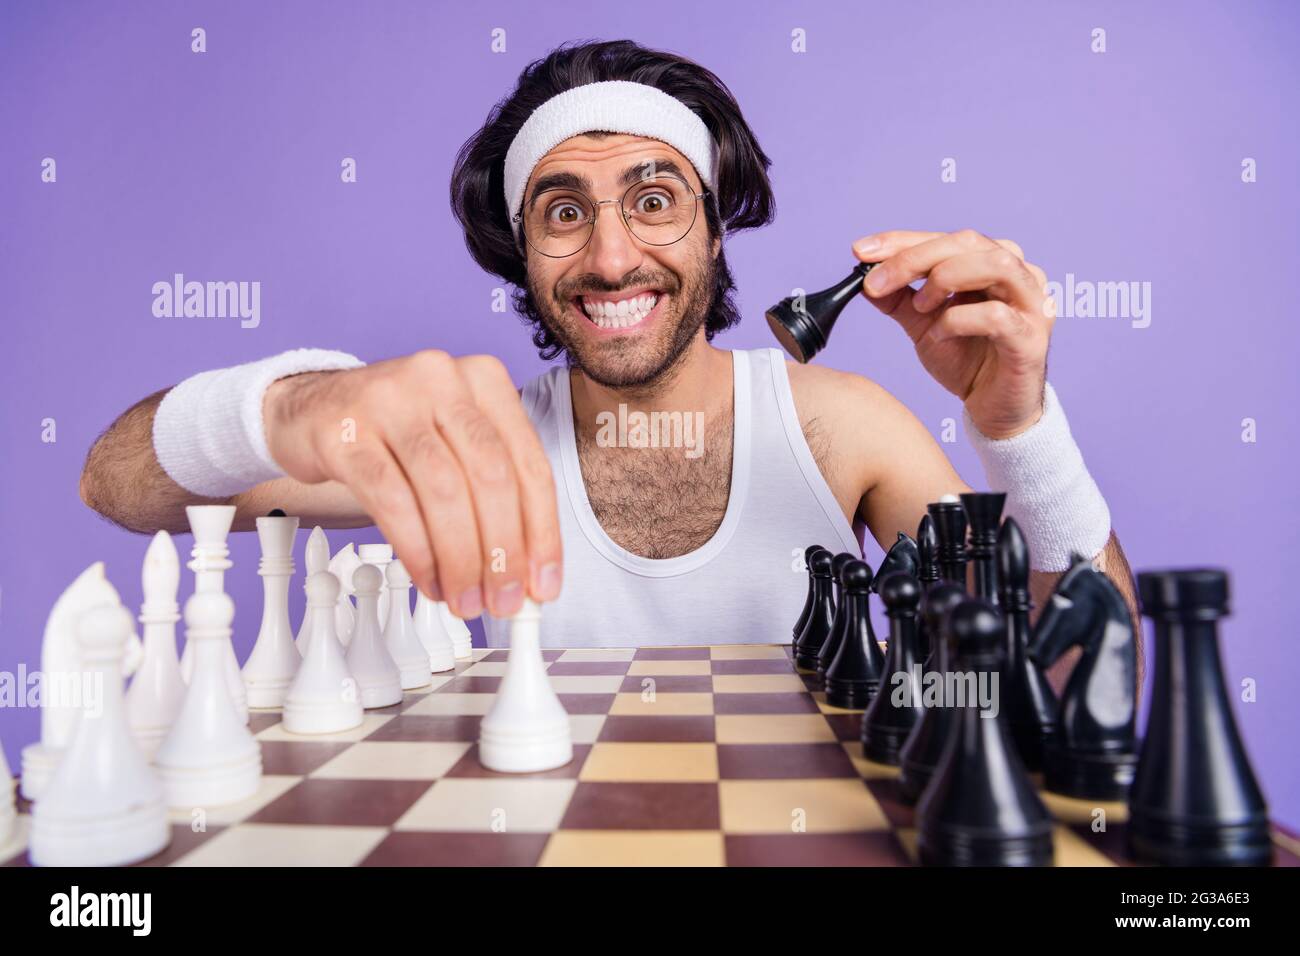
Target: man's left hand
980, 324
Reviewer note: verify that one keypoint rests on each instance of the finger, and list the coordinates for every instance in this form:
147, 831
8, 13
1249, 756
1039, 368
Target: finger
1011, 333
898, 306
1013, 246
916, 261
997, 273
881, 245
495, 394
490, 473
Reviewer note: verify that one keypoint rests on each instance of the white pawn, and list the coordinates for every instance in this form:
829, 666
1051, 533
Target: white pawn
208, 758
323, 698
8, 812
60, 666
399, 633
274, 660
380, 555
343, 566
433, 635
209, 560
104, 805
315, 559
459, 631
374, 669
157, 689
527, 728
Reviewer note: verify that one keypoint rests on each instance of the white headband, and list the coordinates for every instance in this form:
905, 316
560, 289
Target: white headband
614, 106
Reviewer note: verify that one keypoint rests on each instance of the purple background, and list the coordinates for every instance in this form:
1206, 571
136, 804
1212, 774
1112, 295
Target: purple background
1122, 166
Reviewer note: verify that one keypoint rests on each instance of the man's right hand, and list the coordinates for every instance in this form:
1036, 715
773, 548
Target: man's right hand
442, 456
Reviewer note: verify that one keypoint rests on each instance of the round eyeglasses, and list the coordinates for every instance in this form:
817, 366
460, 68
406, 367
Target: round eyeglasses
657, 210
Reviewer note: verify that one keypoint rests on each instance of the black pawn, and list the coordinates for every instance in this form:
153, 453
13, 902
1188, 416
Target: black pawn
1031, 702
853, 677
983, 515
980, 808
923, 749
927, 572
1195, 801
896, 709
808, 601
276, 513
818, 626
831, 646
1093, 754
950, 529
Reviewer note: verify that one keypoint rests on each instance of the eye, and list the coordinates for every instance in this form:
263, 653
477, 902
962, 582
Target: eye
653, 202
564, 214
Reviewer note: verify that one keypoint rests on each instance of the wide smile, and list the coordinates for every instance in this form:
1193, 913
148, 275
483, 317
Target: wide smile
614, 315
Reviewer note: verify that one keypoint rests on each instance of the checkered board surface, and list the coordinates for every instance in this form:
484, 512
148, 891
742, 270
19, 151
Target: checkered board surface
682, 756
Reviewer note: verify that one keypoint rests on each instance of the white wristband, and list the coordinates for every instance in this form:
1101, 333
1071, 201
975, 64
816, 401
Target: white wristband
208, 433
1049, 491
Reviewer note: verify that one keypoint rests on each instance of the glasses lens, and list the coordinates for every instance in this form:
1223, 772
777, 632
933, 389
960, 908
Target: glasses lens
558, 222
659, 210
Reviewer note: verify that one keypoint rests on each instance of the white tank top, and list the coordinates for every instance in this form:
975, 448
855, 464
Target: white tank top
745, 585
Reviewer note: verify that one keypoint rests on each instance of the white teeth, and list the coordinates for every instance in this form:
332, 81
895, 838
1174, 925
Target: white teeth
621, 314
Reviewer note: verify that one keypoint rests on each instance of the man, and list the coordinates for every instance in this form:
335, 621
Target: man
601, 189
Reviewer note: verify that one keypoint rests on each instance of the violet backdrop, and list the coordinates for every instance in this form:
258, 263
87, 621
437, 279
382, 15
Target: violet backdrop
1116, 166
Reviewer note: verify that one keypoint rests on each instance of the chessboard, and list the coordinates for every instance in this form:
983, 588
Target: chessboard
682, 756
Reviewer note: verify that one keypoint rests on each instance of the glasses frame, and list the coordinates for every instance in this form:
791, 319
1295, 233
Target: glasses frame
595, 214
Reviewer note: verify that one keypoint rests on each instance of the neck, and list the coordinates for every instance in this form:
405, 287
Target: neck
699, 381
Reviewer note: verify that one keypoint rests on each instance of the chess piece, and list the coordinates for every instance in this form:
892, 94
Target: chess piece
61, 667
343, 566
209, 560
802, 323
853, 676
924, 748
896, 709
373, 668
399, 633
809, 599
527, 729
983, 515
1194, 801
950, 529
275, 658
209, 758
315, 559
1031, 702
433, 635
1093, 754
461, 641
323, 698
157, 689
927, 573
104, 805
904, 556
818, 626
980, 808
380, 555
831, 646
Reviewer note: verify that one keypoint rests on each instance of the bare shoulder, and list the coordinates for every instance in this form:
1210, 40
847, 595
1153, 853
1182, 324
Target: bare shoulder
845, 402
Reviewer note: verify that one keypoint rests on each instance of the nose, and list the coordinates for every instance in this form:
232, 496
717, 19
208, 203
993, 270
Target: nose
611, 252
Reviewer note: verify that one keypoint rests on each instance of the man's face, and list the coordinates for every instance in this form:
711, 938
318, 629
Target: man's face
578, 295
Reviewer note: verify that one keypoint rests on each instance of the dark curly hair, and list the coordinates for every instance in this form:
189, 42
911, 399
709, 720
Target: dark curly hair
742, 200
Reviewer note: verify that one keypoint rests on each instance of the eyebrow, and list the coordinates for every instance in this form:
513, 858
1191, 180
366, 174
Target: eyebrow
569, 180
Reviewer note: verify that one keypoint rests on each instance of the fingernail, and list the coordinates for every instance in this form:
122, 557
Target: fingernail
508, 599
866, 244
877, 279
548, 581
470, 603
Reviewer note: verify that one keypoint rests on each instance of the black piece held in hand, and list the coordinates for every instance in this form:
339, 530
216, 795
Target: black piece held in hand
980, 808
921, 753
853, 677
1093, 754
897, 707
1031, 702
950, 529
983, 515
818, 626
831, 645
802, 324
1195, 800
